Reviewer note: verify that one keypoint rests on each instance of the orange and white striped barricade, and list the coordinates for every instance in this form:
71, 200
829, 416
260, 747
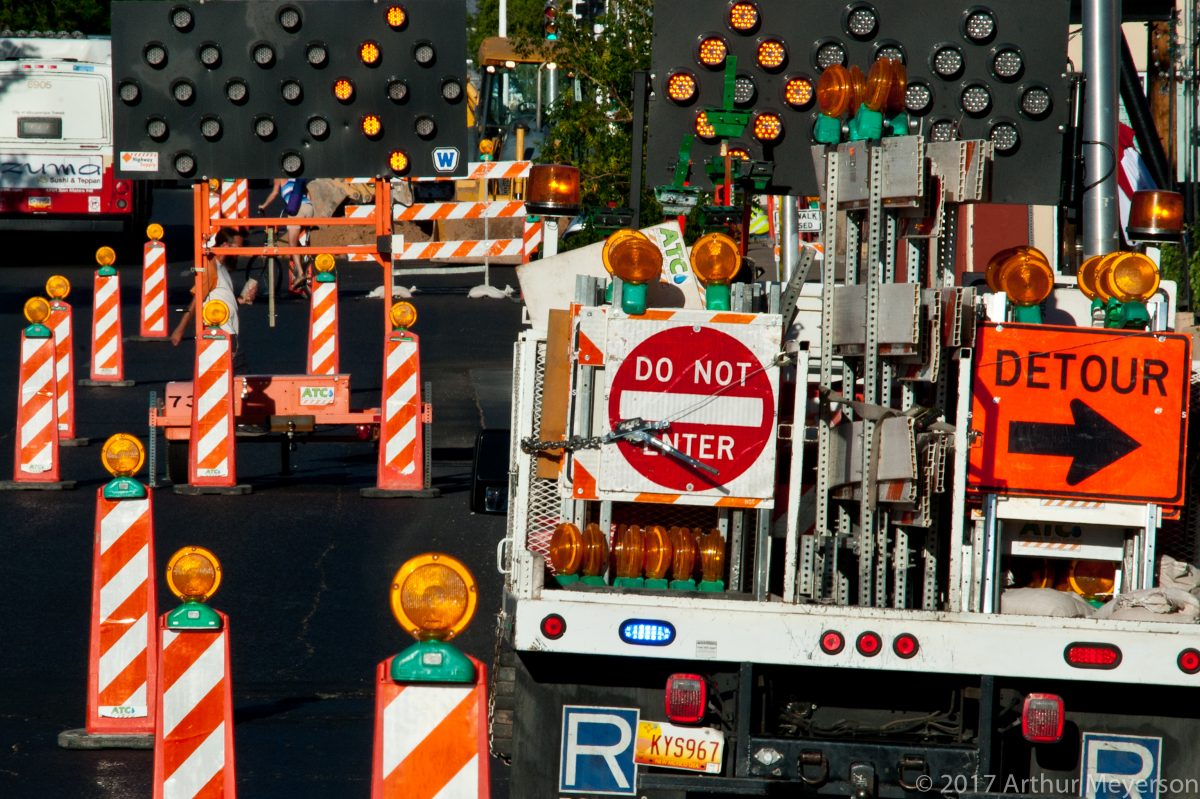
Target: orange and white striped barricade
430, 738
323, 325
212, 467
60, 323
153, 314
193, 731
35, 460
402, 463
123, 654
108, 354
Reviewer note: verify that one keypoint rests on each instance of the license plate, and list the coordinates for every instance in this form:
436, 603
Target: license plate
39, 202
688, 748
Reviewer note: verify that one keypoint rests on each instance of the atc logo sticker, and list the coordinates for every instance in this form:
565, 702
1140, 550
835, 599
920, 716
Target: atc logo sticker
1120, 766
597, 750
445, 159
316, 395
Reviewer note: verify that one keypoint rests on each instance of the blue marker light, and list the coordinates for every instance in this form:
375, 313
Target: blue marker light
647, 632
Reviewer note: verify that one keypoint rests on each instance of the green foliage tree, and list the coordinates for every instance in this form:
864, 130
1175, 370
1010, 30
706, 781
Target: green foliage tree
591, 121
89, 16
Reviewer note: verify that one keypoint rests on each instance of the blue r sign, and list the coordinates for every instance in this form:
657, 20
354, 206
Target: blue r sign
1120, 766
597, 750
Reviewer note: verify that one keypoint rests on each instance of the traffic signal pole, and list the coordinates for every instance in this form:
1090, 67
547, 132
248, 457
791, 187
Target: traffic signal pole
1101, 29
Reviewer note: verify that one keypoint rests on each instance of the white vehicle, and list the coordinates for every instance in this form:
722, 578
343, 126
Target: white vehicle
707, 593
56, 145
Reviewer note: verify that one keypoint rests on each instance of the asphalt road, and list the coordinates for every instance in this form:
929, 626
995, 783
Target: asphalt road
306, 561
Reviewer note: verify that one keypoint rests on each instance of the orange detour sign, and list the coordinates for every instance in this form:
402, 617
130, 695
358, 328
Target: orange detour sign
1079, 412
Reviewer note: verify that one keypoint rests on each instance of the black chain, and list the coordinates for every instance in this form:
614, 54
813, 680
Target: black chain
531, 445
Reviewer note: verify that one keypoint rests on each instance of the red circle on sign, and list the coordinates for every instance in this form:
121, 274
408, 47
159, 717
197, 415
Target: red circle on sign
713, 391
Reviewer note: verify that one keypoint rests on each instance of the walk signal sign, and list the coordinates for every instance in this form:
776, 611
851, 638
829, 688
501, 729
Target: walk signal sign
303, 88
974, 71
1080, 412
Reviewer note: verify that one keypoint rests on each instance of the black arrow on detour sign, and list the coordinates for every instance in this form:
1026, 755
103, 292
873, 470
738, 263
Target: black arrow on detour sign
1090, 441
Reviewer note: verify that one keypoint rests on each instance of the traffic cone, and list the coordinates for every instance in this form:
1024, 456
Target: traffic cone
212, 467
154, 287
108, 356
431, 703
323, 320
35, 461
193, 730
401, 469
59, 322
123, 654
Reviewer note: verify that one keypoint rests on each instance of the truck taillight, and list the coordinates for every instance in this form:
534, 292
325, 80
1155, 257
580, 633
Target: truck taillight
1189, 661
1092, 656
869, 644
687, 698
1042, 718
906, 645
121, 187
553, 626
832, 642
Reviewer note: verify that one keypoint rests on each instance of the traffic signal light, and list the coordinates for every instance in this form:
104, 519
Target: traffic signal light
974, 72
302, 88
550, 20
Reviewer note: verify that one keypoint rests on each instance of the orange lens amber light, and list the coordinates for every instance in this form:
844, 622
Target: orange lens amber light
998, 261
704, 128
880, 80
768, 127
771, 54
595, 551
1133, 277
712, 556
858, 87
743, 17
371, 126
566, 549
1156, 214
658, 552
712, 51
629, 551
798, 92
895, 101
343, 90
681, 87
396, 17
715, 258
834, 91
369, 53
398, 162
683, 544
1026, 280
1085, 278
740, 153
1092, 578
635, 259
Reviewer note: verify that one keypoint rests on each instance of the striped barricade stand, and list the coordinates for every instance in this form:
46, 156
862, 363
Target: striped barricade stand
193, 733
430, 739
36, 460
323, 320
212, 467
123, 653
431, 702
402, 468
60, 323
153, 316
108, 354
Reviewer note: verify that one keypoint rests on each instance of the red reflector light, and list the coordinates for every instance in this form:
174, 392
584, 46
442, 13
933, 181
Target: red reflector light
905, 645
1092, 656
553, 626
1042, 718
832, 642
1189, 661
869, 644
687, 698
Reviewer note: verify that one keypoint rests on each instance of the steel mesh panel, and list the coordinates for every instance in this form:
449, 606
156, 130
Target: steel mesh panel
544, 502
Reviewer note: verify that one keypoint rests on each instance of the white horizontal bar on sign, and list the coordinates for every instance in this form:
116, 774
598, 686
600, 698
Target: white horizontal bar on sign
492, 170
495, 209
692, 408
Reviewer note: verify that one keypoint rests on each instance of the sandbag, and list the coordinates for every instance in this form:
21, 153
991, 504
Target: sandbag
1044, 602
1153, 604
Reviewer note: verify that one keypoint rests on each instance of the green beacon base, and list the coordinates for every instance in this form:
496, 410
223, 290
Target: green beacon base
629, 582
193, 616
432, 661
655, 584
683, 585
566, 579
712, 586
